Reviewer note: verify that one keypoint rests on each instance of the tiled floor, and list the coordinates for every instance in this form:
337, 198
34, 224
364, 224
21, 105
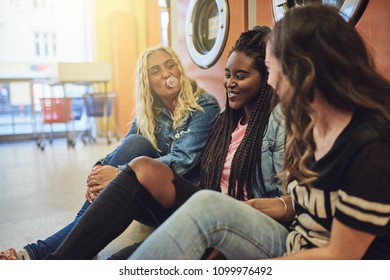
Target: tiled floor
41, 191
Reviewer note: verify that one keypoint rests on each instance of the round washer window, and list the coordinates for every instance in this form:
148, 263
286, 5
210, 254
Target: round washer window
207, 26
351, 10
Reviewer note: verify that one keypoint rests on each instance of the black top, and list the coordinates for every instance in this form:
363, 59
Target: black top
353, 186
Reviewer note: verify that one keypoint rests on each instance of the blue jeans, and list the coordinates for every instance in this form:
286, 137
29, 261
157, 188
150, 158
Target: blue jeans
131, 147
210, 219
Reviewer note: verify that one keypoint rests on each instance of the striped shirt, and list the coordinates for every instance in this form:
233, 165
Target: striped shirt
353, 186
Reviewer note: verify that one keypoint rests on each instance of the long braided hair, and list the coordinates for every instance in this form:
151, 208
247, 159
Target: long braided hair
248, 155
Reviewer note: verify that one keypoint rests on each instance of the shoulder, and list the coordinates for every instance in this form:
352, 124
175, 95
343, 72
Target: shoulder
206, 99
277, 117
365, 129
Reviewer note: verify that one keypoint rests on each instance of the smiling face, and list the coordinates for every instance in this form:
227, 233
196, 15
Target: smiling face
276, 79
161, 66
242, 82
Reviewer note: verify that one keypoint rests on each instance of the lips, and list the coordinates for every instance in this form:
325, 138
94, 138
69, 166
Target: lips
172, 82
232, 94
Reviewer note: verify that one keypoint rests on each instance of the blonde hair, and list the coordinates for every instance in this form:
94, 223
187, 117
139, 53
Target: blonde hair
148, 106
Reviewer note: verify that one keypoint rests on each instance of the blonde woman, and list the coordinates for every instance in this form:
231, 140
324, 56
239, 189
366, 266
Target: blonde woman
173, 119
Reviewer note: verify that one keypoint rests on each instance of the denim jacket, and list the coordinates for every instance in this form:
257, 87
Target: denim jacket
181, 148
272, 156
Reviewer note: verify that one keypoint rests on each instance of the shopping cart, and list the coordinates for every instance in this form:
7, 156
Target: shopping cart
98, 105
77, 108
55, 110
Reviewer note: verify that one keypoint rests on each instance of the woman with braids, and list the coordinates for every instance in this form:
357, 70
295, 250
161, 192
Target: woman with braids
244, 152
337, 158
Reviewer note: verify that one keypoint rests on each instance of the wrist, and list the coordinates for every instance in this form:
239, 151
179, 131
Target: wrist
284, 209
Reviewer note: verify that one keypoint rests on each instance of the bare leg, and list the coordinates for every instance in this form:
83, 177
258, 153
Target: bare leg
158, 182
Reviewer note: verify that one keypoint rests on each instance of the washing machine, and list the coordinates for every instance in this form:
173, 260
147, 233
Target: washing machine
370, 17
207, 30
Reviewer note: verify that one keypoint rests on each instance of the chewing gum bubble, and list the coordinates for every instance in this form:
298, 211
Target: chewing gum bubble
172, 82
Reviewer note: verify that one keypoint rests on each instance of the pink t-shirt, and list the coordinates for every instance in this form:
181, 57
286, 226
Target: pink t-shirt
237, 136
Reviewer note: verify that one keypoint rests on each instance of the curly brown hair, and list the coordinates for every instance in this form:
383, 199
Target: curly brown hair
319, 50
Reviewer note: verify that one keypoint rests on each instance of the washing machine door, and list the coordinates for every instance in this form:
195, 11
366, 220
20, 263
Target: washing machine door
351, 10
207, 27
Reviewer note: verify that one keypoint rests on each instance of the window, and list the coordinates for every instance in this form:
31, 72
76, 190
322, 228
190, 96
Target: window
164, 20
45, 44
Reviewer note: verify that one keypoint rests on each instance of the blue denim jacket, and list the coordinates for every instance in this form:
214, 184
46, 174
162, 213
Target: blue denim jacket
272, 156
181, 148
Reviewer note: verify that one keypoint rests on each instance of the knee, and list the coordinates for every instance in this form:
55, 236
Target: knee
134, 140
141, 166
141, 162
156, 178
138, 143
206, 200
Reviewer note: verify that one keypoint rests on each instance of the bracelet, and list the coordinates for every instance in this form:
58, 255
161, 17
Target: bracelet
285, 207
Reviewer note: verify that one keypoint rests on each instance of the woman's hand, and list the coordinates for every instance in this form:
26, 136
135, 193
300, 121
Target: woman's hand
274, 207
98, 179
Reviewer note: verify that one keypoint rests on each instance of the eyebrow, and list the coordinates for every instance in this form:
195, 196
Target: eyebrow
238, 71
158, 65
169, 60
154, 67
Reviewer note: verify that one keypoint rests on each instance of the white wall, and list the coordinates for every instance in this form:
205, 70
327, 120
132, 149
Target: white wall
66, 23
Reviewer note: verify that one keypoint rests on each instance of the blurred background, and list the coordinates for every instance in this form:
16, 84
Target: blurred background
77, 57
67, 79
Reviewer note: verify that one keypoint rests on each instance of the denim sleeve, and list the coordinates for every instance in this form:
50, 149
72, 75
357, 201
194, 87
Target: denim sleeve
189, 143
107, 158
278, 154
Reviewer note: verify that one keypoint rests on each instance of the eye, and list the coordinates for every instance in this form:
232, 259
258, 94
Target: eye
170, 64
227, 75
154, 71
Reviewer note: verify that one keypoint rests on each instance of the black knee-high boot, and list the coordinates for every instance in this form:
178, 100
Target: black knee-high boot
107, 217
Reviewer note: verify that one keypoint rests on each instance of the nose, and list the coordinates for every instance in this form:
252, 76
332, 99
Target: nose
166, 73
230, 82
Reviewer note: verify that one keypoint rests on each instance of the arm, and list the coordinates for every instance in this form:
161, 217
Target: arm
272, 157
274, 207
362, 210
190, 143
102, 173
280, 141
345, 243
